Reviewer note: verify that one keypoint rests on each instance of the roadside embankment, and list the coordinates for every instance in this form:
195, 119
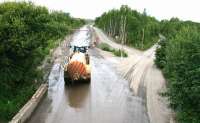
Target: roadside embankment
29, 107
57, 55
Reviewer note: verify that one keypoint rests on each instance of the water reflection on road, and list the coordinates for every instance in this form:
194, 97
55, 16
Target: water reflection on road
107, 99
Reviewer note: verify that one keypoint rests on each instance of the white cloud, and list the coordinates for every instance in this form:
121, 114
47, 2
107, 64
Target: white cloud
161, 9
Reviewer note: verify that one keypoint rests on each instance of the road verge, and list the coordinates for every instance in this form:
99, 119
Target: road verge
29, 107
27, 110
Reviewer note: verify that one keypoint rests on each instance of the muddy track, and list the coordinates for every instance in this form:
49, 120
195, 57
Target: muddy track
107, 99
146, 81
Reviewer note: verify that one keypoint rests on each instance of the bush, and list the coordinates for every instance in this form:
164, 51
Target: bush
107, 47
181, 56
160, 54
120, 53
27, 33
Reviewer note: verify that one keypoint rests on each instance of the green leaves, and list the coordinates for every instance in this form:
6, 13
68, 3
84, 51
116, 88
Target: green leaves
116, 52
132, 27
27, 33
178, 56
181, 56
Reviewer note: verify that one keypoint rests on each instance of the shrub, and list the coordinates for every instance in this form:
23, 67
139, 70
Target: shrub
116, 52
160, 54
105, 46
120, 53
27, 33
182, 69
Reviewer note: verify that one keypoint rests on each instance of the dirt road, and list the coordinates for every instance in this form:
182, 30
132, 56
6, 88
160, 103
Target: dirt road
145, 79
107, 99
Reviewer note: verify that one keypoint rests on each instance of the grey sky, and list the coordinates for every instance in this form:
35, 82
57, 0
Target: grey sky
161, 9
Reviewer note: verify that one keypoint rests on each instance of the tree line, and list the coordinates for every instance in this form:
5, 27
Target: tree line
130, 27
27, 33
178, 56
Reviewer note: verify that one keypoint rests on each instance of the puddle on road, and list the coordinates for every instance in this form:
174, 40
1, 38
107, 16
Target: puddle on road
77, 95
107, 99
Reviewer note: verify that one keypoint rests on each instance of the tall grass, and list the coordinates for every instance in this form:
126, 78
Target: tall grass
116, 52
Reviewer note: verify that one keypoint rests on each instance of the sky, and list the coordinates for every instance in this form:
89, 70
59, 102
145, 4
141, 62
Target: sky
90, 9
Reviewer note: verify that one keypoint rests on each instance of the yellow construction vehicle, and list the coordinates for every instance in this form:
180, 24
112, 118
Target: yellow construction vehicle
77, 67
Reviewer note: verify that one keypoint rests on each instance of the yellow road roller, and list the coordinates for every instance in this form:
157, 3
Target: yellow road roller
77, 68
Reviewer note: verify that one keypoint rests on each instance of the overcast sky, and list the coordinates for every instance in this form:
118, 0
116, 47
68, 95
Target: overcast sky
161, 9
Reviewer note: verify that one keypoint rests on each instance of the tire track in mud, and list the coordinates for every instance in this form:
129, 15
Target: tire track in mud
107, 99
145, 79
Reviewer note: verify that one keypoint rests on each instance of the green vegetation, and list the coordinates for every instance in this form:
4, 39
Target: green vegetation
179, 59
160, 54
130, 27
178, 55
106, 47
27, 33
120, 53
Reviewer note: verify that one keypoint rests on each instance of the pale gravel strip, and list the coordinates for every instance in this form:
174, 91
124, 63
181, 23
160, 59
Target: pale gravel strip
133, 68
